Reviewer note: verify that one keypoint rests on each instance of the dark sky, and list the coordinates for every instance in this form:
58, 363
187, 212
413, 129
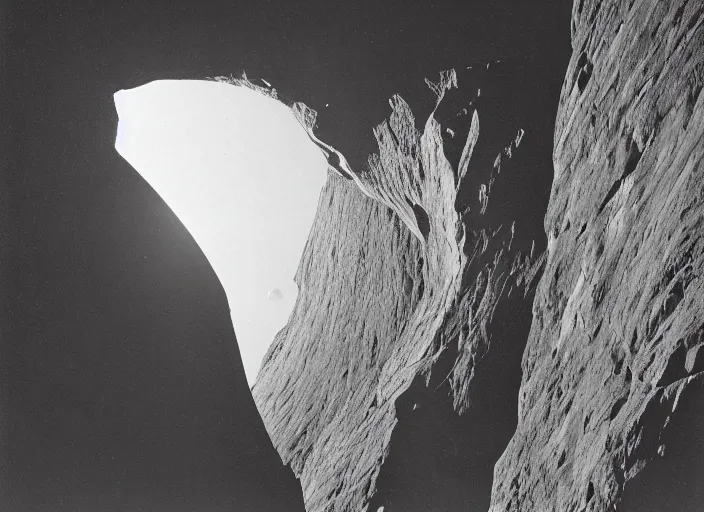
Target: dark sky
122, 387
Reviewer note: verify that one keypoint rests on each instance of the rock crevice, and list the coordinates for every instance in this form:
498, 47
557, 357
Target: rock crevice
394, 276
618, 307
414, 269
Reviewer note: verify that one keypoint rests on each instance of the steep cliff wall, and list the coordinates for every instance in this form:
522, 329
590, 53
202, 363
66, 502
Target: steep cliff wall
618, 316
395, 383
399, 282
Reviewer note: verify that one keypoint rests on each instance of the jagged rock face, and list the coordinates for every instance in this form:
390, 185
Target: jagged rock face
617, 331
401, 270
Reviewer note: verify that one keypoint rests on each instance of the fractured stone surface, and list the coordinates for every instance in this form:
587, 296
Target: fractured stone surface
405, 269
401, 267
617, 329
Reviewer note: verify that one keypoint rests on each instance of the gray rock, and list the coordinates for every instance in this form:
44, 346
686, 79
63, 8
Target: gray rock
618, 315
405, 266
393, 276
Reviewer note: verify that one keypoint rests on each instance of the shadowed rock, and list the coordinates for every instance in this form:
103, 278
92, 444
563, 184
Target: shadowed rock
412, 265
618, 315
403, 269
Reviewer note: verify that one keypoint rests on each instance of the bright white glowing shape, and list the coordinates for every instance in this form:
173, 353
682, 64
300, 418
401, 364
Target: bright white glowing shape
243, 177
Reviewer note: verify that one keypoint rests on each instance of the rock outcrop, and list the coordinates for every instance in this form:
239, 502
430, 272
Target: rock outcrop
399, 281
415, 296
618, 319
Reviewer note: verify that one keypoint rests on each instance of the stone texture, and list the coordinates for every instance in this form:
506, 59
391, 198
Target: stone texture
402, 267
617, 329
407, 265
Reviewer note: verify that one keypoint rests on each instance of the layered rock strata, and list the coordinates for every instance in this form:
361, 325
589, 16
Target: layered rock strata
618, 321
403, 268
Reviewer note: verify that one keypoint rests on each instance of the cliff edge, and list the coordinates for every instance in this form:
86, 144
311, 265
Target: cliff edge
408, 341
399, 282
618, 316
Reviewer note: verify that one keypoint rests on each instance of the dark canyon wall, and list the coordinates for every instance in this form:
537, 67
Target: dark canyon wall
618, 318
403, 379
402, 289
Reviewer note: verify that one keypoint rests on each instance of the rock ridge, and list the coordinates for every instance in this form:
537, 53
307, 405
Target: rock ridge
617, 330
413, 266
403, 265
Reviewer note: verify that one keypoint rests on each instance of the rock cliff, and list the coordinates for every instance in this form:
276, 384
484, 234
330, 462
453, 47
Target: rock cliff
396, 379
399, 282
618, 319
